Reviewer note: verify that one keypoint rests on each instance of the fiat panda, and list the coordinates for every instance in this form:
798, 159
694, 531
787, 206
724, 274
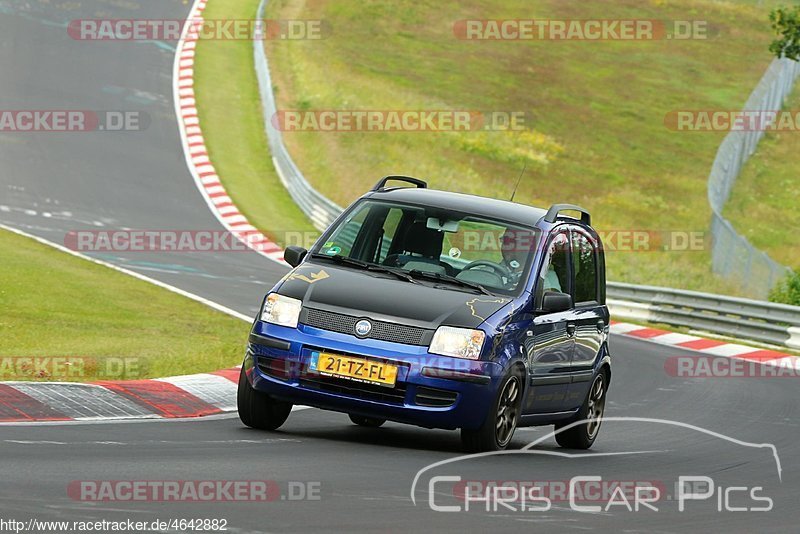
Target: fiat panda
441, 310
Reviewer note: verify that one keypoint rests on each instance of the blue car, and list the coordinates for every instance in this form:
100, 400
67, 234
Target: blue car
441, 310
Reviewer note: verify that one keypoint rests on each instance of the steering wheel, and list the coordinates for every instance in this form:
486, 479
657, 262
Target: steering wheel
496, 267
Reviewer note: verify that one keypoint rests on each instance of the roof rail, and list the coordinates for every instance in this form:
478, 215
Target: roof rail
421, 184
555, 209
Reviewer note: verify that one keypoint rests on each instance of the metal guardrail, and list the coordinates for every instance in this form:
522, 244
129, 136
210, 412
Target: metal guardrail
314, 204
777, 324
732, 255
760, 321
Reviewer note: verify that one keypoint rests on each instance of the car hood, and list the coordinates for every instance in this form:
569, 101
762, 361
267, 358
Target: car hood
383, 297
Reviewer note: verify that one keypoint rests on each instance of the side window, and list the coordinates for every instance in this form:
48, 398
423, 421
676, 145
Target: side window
584, 265
555, 271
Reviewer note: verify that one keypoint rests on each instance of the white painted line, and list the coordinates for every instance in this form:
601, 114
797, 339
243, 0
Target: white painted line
197, 298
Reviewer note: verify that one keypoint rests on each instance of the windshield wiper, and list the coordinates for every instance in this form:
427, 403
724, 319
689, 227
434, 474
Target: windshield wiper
451, 280
338, 258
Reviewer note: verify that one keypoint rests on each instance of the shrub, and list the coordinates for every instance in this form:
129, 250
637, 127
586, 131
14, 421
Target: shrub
787, 291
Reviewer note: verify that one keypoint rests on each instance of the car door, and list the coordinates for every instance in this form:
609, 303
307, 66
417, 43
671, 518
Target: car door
590, 316
548, 343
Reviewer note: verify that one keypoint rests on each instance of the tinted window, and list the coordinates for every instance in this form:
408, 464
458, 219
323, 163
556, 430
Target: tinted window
555, 273
584, 265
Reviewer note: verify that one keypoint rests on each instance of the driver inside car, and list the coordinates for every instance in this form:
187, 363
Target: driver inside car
515, 246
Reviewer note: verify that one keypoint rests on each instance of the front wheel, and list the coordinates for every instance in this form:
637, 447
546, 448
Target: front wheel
582, 436
257, 409
497, 430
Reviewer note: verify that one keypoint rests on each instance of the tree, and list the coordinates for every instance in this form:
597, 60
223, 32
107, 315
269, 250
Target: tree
786, 23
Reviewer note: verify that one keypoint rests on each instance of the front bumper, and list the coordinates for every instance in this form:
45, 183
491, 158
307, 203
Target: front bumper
431, 391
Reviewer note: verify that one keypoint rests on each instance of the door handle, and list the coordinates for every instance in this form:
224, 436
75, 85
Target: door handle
570, 329
601, 325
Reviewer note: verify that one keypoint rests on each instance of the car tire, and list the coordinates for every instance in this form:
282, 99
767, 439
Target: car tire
369, 422
583, 436
497, 430
257, 409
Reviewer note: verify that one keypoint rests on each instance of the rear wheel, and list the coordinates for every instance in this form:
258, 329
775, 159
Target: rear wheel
582, 436
370, 422
259, 410
497, 430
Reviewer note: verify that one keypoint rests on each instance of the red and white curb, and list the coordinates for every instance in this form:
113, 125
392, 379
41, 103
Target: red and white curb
178, 396
705, 346
196, 152
172, 397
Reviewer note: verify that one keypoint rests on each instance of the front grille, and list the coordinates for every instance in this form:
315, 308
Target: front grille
382, 330
434, 397
359, 390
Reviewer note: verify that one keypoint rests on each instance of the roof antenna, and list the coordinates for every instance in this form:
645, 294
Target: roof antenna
518, 181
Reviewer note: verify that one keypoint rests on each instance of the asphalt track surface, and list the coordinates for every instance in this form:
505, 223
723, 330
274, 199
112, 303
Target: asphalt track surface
54, 183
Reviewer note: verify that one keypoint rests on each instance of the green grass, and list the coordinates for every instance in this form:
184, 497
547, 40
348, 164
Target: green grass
765, 202
230, 112
596, 137
110, 325
598, 109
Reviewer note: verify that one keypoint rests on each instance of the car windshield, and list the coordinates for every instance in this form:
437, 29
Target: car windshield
432, 244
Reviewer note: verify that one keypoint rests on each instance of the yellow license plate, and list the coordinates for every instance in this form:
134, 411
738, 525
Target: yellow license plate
356, 369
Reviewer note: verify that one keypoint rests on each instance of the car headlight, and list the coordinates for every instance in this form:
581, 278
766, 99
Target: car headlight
280, 310
457, 342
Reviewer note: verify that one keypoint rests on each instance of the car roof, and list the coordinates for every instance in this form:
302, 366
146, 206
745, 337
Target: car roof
491, 208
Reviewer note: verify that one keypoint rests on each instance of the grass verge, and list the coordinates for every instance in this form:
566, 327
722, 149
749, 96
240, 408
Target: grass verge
765, 202
65, 318
229, 107
597, 133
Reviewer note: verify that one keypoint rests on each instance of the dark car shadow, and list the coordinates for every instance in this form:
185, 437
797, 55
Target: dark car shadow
393, 435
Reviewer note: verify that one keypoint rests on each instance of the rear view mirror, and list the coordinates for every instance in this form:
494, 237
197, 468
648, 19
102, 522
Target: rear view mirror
443, 226
294, 255
554, 302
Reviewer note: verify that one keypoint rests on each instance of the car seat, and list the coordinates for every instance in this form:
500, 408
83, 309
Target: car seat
422, 248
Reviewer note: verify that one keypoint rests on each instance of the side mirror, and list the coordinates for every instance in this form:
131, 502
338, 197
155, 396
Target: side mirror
294, 255
554, 302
